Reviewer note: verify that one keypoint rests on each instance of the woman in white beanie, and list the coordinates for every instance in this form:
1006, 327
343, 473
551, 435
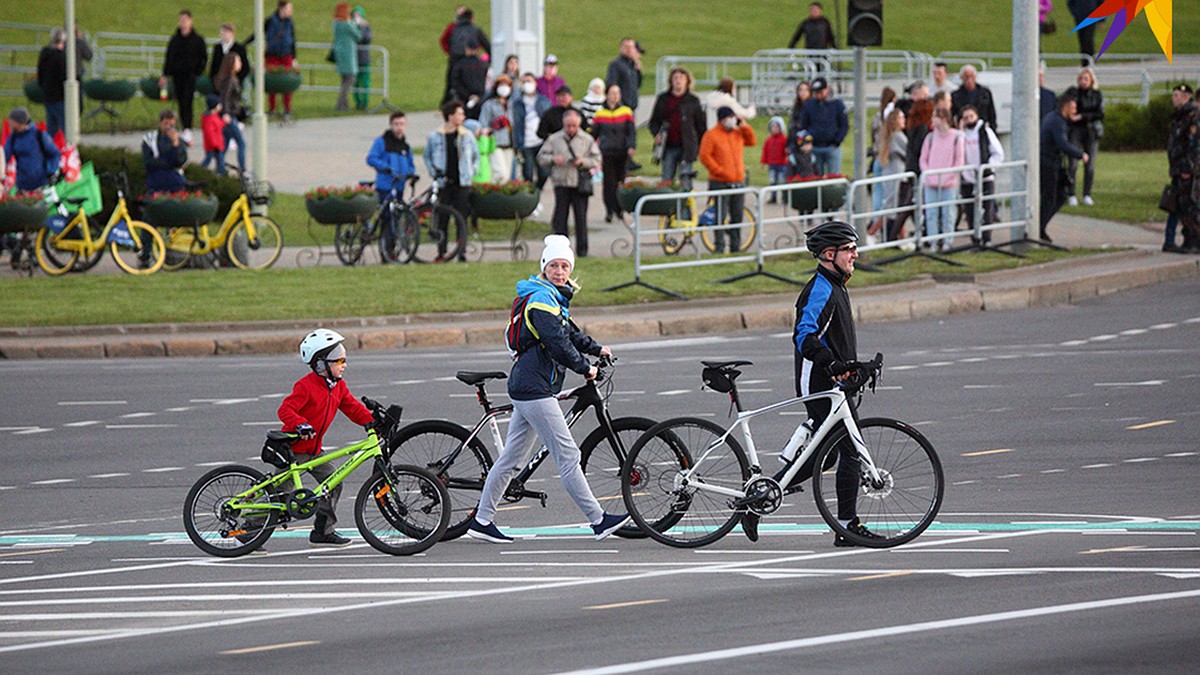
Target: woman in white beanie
592, 101
546, 343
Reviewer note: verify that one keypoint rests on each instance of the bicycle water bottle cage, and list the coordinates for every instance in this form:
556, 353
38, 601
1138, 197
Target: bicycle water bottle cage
719, 375
277, 451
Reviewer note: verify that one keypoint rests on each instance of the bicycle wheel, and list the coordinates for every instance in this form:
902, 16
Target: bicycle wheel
429, 444
146, 256
403, 513
455, 234
52, 259
87, 261
260, 253
349, 240
672, 237
670, 505
180, 243
909, 496
601, 458
219, 530
746, 233
403, 246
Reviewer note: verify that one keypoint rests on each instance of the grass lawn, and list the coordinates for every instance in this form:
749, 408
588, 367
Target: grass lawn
1128, 185
583, 33
203, 296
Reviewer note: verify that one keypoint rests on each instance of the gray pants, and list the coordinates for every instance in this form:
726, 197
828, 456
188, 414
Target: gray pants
326, 518
343, 101
544, 418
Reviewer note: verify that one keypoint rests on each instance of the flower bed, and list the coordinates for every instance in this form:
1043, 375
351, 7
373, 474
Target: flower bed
515, 199
828, 197
33, 92
22, 211
178, 209
631, 191
337, 205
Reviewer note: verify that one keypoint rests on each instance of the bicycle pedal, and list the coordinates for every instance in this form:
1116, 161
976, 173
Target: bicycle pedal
542, 498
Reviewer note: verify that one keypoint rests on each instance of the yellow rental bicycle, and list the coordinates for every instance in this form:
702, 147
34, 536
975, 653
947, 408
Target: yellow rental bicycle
249, 241
135, 246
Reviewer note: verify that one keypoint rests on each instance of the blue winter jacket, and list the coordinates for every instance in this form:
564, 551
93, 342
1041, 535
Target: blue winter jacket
826, 121
37, 157
392, 160
281, 36
468, 155
164, 163
516, 115
550, 342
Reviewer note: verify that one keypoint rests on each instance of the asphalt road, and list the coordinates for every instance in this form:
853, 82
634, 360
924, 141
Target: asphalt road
1067, 541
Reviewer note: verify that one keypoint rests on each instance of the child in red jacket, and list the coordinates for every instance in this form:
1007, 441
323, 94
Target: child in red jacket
212, 123
309, 410
774, 154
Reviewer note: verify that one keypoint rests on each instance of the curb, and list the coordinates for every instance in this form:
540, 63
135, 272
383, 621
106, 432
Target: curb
1056, 283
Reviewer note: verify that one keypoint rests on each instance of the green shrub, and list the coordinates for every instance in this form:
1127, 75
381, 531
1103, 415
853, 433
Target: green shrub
109, 160
1134, 127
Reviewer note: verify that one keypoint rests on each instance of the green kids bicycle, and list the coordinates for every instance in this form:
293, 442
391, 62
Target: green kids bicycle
400, 510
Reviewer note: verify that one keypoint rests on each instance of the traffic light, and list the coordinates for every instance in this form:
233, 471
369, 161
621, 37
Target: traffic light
866, 23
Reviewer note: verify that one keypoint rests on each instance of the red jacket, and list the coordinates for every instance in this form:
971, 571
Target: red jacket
775, 150
314, 403
214, 132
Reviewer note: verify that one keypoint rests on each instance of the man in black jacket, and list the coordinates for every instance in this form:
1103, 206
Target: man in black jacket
228, 44
1054, 144
625, 71
552, 121
971, 93
186, 56
816, 29
51, 74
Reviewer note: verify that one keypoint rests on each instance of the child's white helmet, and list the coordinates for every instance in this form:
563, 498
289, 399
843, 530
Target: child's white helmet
318, 343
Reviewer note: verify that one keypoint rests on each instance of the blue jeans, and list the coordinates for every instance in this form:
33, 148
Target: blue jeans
218, 158
827, 159
878, 190
55, 118
529, 165
234, 133
1172, 225
673, 163
939, 218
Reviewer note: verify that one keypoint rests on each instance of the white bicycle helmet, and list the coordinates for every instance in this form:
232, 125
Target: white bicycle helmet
318, 344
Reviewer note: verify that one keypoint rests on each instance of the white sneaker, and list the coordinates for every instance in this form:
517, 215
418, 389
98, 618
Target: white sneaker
1073, 201
536, 211
186, 137
1087, 201
870, 239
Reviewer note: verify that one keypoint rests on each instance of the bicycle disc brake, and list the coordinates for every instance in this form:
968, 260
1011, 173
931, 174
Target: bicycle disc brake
763, 496
302, 503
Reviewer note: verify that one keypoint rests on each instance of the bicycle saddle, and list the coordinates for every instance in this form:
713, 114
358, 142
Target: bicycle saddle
75, 201
471, 377
726, 365
285, 437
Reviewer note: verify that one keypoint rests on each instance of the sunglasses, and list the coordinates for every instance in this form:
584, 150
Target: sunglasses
847, 247
337, 362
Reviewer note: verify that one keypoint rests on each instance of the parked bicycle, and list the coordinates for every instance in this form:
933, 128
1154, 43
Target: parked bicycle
400, 227
901, 475
247, 240
460, 459
78, 242
400, 510
678, 228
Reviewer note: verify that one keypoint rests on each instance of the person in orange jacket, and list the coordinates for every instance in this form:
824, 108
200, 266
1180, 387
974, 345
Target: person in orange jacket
721, 151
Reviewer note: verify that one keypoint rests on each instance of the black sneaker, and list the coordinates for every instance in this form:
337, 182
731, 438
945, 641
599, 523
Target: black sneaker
487, 532
1172, 248
857, 528
331, 539
750, 525
608, 524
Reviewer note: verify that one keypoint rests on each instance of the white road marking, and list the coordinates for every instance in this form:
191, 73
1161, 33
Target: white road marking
138, 414
1145, 383
1102, 338
866, 636
674, 392
973, 359
35, 430
1163, 326
983, 386
93, 403
108, 475
1179, 454
1054, 471
1136, 460
18, 428
938, 364
183, 408
53, 481
84, 423
1072, 343
163, 469
1135, 331
211, 463
140, 426
1095, 466
903, 367
261, 424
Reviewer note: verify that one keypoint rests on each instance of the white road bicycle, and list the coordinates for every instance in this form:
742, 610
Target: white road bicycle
898, 491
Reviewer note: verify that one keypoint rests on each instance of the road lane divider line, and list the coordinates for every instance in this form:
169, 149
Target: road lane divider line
269, 648
1149, 425
987, 452
632, 603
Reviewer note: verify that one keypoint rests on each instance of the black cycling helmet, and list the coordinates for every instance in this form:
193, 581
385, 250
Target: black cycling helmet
831, 234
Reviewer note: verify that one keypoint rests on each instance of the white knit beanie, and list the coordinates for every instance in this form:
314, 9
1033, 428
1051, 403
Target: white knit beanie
558, 247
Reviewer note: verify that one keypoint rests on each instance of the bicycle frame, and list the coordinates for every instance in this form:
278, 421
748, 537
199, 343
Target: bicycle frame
584, 396
239, 211
363, 451
841, 412
87, 245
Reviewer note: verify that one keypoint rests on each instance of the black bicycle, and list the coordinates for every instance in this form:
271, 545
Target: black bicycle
461, 460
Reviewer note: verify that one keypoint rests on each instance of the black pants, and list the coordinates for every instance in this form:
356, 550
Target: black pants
614, 172
185, 93
1087, 42
569, 199
1051, 199
967, 211
457, 197
849, 470
729, 210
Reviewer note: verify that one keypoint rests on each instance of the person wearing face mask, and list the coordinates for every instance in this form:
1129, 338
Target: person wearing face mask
721, 151
525, 112
493, 115
982, 147
548, 343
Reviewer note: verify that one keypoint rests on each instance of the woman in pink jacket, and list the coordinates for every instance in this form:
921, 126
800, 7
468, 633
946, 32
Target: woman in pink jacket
944, 148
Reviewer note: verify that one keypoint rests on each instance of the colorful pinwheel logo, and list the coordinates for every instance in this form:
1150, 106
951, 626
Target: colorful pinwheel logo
1123, 12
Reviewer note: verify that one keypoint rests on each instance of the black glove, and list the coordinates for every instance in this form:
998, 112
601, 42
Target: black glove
306, 431
837, 368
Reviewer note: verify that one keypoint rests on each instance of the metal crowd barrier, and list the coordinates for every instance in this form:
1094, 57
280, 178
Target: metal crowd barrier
1000, 207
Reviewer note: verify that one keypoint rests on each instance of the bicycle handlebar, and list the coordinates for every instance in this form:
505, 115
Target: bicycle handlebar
863, 375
